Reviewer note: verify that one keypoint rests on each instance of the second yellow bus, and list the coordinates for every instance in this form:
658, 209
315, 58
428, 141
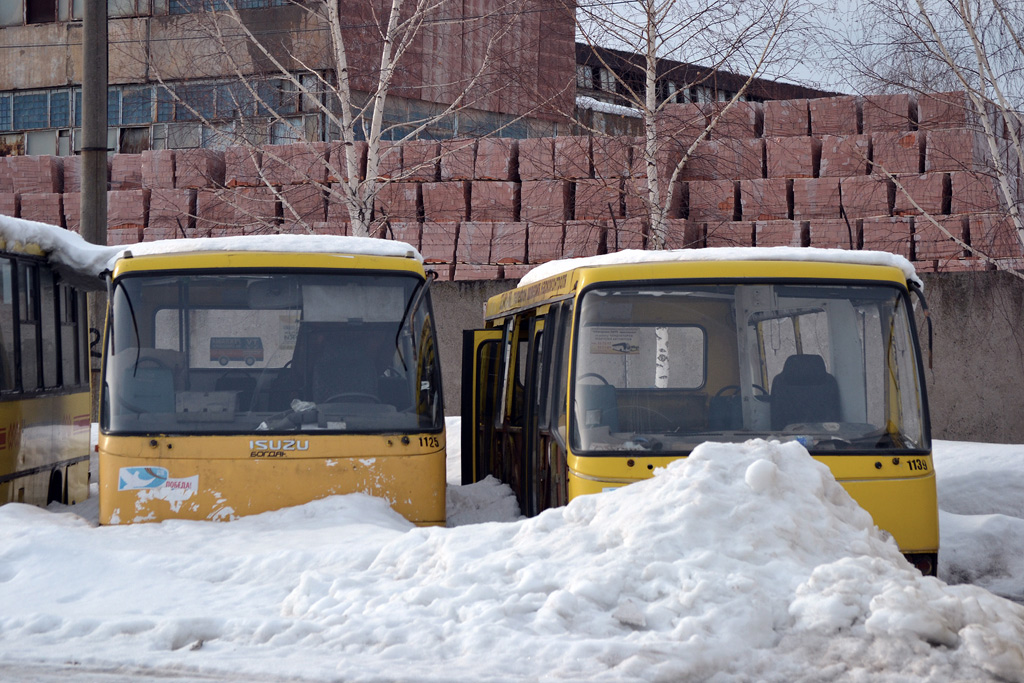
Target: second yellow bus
596, 371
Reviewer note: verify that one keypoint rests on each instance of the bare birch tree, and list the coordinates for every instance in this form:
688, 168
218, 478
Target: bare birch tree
756, 39
971, 46
359, 67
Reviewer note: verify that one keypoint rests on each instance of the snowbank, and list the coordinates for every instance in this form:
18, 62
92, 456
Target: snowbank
742, 563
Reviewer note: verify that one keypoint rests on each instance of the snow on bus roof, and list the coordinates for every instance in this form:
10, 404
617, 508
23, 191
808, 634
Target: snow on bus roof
327, 244
68, 249
870, 258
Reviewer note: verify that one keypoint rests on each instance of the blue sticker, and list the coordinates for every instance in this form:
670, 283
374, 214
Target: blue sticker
135, 478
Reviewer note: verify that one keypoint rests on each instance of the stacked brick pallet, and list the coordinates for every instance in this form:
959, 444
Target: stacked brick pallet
825, 173
849, 172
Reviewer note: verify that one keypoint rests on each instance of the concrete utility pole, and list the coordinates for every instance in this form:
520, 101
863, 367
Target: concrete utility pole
94, 122
94, 158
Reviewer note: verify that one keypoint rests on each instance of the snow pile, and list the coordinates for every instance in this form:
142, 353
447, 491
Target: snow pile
982, 514
485, 501
744, 562
868, 258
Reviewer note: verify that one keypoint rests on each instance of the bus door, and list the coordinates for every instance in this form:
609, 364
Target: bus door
481, 382
534, 463
551, 387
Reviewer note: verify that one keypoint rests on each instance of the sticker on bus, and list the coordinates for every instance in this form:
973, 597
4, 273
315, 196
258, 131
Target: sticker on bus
227, 349
136, 478
157, 482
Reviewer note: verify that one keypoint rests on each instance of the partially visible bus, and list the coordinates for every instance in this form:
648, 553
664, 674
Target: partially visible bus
44, 378
338, 391
596, 371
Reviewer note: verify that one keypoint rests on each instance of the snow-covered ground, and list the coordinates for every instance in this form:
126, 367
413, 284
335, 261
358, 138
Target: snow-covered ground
742, 563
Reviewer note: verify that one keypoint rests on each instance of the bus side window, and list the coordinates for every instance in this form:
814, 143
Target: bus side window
28, 313
48, 328
6, 327
558, 382
70, 337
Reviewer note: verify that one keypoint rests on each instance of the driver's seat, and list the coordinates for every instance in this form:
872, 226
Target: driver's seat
804, 392
337, 363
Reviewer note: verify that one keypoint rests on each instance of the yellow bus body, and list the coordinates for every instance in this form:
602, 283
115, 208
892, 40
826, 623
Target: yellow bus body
898, 490
229, 482
220, 477
41, 436
44, 427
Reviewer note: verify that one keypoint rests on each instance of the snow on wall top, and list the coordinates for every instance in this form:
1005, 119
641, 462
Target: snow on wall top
78, 257
870, 258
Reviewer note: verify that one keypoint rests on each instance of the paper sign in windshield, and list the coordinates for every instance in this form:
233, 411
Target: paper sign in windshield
615, 340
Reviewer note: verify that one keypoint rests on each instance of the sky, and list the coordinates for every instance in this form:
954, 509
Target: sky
745, 562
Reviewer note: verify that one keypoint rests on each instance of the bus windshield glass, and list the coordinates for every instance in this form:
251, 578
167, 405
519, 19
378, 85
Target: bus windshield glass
237, 352
665, 367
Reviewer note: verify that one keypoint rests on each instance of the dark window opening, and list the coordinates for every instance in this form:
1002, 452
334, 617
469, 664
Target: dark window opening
40, 11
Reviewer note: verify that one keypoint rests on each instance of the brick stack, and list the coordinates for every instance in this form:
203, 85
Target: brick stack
912, 176
198, 168
126, 172
38, 182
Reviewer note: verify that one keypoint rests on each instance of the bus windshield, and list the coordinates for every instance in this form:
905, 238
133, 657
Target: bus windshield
238, 352
665, 367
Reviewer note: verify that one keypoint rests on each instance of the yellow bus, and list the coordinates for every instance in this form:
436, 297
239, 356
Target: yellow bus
44, 377
595, 371
337, 389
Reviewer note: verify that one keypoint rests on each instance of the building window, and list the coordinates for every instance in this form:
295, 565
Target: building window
31, 110
40, 11
584, 77
11, 13
127, 8
5, 113
41, 142
133, 140
60, 109
137, 106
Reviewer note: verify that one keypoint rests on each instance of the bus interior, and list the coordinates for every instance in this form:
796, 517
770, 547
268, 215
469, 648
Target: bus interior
663, 367
237, 352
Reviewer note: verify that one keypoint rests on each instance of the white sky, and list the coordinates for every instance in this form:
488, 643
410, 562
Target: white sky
744, 563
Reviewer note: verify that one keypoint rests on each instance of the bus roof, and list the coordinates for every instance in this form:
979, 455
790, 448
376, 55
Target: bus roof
84, 263
636, 256
557, 280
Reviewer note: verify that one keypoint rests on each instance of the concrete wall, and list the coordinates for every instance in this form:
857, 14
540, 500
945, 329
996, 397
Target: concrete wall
459, 306
974, 386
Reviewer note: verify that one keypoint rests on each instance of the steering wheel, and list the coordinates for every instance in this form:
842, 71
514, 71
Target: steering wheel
350, 394
594, 375
733, 389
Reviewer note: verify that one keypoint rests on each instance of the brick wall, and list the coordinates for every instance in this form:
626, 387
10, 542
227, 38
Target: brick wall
841, 172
